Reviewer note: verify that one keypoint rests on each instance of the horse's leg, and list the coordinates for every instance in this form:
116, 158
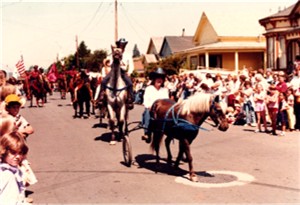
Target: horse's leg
180, 153
31, 101
167, 144
112, 129
111, 123
187, 150
156, 142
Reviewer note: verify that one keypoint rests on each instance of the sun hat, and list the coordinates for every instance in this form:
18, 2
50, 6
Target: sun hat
12, 98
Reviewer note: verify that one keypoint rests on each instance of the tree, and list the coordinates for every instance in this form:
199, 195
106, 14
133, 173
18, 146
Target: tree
83, 53
94, 62
172, 64
136, 51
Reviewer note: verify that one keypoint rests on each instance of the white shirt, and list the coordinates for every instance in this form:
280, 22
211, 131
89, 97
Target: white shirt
10, 193
152, 94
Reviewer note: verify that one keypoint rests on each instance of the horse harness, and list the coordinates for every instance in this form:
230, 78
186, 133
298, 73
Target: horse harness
182, 124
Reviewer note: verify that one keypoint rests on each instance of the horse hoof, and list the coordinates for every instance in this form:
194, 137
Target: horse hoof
194, 178
112, 142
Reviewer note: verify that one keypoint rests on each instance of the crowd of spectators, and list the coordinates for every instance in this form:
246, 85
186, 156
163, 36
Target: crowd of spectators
15, 171
254, 98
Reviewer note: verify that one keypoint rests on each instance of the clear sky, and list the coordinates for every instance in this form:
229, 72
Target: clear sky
41, 30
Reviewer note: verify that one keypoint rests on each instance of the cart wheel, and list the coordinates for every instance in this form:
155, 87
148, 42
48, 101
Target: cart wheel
127, 151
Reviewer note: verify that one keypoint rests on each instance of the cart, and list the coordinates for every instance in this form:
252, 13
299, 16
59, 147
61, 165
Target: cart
126, 145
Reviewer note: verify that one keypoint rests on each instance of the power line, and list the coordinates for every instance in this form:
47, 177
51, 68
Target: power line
129, 21
92, 19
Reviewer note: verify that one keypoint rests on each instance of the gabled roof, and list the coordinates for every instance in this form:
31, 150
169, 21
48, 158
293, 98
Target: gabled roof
286, 13
156, 43
232, 24
173, 44
150, 58
179, 43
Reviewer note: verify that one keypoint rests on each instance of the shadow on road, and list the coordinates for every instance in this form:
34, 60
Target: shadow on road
148, 161
100, 125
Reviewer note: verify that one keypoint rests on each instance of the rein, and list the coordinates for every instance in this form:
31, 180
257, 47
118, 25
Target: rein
178, 120
114, 89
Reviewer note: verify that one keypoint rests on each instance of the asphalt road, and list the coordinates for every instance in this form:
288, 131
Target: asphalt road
75, 164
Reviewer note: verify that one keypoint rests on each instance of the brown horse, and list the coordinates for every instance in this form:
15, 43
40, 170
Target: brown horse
182, 121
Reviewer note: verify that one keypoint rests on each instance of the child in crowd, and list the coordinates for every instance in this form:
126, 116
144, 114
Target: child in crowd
282, 118
12, 106
272, 104
290, 110
248, 106
6, 124
13, 150
260, 107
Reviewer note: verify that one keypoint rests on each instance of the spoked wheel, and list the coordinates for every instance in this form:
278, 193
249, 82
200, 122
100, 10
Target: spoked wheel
127, 151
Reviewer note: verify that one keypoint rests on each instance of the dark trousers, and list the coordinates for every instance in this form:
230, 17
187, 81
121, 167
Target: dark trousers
87, 107
297, 114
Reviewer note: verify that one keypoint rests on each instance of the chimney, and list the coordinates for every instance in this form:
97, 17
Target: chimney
183, 32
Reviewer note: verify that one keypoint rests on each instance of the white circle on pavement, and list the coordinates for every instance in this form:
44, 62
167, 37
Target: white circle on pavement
242, 179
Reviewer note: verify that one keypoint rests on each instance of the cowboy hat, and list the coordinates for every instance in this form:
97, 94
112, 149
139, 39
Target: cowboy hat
158, 73
121, 43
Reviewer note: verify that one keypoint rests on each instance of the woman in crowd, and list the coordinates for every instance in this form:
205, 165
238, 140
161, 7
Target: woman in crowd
260, 107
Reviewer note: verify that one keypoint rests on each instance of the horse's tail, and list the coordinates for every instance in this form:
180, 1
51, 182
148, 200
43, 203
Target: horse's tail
156, 141
154, 128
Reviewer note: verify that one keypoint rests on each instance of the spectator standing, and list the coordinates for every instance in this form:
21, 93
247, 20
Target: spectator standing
13, 150
248, 106
218, 84
290, 110
281, 85
295, 84
269, 77
282, 117
260, 107
272, 104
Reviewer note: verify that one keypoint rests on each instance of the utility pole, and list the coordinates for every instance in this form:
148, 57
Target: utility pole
116, 20
77, 54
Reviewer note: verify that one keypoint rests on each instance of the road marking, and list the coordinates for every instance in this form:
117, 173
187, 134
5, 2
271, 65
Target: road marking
242, 179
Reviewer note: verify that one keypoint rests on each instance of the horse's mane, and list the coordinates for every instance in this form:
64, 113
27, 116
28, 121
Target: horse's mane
199, 102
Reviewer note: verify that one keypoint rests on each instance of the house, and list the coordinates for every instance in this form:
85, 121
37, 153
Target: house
174, 44
282, 36
226, 42
138, 65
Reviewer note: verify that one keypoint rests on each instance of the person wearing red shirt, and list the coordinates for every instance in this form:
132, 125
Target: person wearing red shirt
281, 85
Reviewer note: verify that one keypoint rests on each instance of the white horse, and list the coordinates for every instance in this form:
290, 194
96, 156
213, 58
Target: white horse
116, 92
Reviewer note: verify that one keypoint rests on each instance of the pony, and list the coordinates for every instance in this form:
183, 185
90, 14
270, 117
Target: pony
38, 88
182, 121
116, 92
82, 95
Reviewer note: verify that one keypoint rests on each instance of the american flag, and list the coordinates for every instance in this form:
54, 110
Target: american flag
21, 67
